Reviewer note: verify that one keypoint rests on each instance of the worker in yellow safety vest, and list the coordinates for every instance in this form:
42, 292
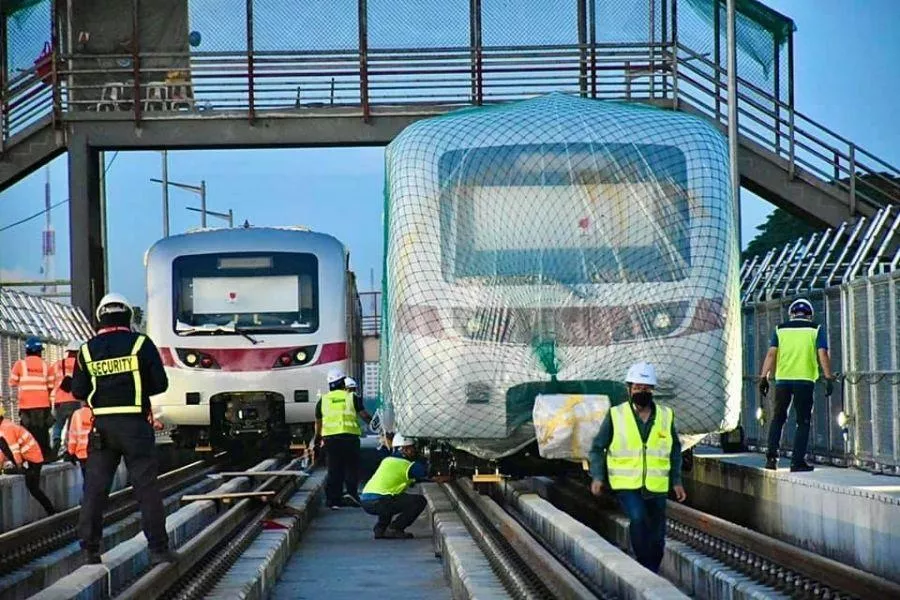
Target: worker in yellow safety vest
116, 372
796, 346
385, 493
338, 430
638, 455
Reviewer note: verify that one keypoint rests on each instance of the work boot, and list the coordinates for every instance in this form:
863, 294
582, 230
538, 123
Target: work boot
351, 500
379, 532
397, 534
157, 557
802, 467
772, 464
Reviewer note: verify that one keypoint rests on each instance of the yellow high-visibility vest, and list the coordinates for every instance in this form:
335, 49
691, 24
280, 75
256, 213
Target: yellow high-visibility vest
796, 359
391, 478
339, 414
631, 465
109, 367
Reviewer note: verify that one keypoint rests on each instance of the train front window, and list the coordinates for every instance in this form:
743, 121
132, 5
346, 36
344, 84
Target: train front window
222, 294
571, 214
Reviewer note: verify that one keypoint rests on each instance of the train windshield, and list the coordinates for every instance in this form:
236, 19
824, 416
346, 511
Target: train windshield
565, 213
233, 293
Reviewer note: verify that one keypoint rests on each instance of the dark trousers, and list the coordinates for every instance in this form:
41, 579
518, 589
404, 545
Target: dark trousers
37, 421
407, 506
63, 411
131, 437
647, 526
33, 484
802, 396
342, 454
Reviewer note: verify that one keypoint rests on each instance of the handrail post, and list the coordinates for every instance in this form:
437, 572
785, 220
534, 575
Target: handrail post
582, 48
475, 42
717, 57
4, 83
592, 34
652, 49
675, 54
251, 83
791, 165
136, 59
664, 44
364, 58
56, 111
777, 73
852, 180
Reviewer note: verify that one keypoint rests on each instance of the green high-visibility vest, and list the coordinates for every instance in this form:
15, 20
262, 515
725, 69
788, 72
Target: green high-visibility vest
339, 414
391, 478
632, 465
796, 359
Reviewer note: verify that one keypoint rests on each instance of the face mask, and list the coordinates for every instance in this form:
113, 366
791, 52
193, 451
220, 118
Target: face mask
642, 399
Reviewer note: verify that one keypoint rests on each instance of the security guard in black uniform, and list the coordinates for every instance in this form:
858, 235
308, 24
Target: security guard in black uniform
116, 373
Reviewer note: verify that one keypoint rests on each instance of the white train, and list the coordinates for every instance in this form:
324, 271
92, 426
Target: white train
540, 249
248, 321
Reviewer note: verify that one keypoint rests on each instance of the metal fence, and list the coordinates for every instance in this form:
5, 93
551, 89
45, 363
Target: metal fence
851, 276
22, 316
172, 59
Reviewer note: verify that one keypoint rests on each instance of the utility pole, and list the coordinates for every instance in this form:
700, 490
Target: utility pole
733, 116
200, 190
165, 192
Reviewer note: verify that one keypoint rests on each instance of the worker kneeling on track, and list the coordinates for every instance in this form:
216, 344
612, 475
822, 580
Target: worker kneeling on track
385, 493
638, 454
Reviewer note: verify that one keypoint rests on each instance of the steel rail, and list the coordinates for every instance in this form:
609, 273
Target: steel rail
24, 544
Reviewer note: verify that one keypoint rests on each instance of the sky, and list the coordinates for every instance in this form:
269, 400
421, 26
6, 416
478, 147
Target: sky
843, 64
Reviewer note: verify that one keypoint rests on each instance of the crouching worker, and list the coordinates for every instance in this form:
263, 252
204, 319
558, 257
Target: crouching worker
22, 455
385, 494
637, 453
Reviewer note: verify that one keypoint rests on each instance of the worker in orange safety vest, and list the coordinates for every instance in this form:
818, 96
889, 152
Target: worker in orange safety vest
64, 403
21, 454
76, 436
31, 376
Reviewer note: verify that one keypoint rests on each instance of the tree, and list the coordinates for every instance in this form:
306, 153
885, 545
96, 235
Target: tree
780, 228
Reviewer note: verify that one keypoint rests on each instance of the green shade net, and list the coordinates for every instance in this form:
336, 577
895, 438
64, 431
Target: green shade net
541, 248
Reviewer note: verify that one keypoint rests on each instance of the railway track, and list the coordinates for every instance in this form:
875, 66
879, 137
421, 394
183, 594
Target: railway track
24, 544
206, 557
783, 568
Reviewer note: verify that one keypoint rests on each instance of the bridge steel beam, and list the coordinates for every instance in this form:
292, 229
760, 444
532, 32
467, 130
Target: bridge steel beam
85, 226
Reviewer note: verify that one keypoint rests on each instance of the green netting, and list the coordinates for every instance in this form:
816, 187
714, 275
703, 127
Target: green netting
541, 248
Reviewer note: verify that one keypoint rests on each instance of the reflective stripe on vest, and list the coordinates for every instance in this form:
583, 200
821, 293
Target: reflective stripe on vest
31, 376
115, 366
796, 360
339, 414
391, 478
631, 464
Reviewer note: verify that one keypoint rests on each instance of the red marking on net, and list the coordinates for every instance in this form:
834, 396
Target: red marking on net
273, 525
584, 223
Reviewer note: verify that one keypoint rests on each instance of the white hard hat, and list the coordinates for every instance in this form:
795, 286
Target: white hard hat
641, 372
113, 303
335, 375
350, 383
399, 441
801, 306
74, 346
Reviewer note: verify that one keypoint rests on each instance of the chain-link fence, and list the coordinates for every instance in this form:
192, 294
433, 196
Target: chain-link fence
23, 316
860, 319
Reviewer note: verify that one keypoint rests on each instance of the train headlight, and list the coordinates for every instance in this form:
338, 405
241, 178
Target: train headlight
662, 320
843, 420
300, 356
191, 359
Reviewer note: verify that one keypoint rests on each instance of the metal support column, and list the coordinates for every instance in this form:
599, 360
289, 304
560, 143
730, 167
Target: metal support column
733, 118
475, 44
4, 116
717, 56
592, 34
790, 102
582, 49
86, 253
675, 55
251, 86
777, 107
136, 58
664, 40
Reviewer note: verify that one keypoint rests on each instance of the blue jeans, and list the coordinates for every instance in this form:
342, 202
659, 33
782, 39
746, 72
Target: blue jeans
647, 527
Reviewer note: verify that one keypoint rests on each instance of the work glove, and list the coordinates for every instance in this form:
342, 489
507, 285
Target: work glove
829, 386
763, 387
70, 458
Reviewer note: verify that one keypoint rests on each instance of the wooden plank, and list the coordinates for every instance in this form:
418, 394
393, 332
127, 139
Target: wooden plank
228, 497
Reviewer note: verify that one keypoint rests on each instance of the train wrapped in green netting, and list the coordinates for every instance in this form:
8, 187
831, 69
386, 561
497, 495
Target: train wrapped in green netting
534, 251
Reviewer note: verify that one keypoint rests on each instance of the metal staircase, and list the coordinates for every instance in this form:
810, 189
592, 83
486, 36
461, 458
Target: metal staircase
29, 150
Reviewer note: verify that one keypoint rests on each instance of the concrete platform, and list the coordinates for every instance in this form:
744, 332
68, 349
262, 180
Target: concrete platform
339, 559
60, 481
848, 515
